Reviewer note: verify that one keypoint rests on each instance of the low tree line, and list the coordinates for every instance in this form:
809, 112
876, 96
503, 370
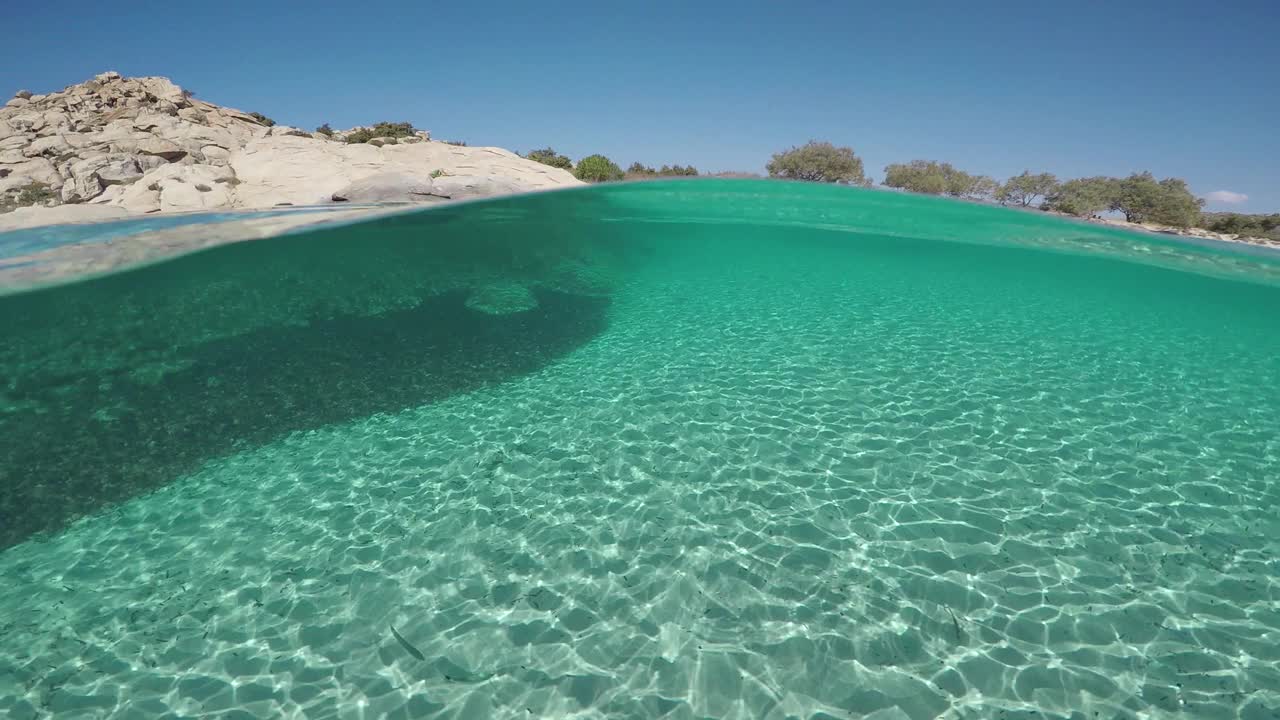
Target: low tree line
1140, 196
598, 168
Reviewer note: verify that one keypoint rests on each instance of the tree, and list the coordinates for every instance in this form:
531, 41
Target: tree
597, 168
935, 178
1177, 206
1084, 197
1144, 199
641, 169
818, 162
922, 176
548, 156
1025, 188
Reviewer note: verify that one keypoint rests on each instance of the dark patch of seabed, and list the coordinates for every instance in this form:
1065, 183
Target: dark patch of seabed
82, 429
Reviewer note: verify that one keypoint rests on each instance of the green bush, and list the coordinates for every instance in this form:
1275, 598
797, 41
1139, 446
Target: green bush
35, 193
597, 168
640, 170
325, 130
548, 156
381, 130
818, 162
262, 119
459, 143
1261, 226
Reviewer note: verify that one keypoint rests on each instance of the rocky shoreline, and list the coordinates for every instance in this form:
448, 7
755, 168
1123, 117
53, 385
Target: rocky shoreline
115, 147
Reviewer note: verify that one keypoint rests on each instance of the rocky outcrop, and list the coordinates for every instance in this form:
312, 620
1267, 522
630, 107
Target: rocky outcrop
146, 145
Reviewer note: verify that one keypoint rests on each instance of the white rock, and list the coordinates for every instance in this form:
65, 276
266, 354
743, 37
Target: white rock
36, 216
386, 187
111, 141
464, 186
160, 147
180, 187
121, 171
215, 154
55, 145
36, 170
79, 188
110, 195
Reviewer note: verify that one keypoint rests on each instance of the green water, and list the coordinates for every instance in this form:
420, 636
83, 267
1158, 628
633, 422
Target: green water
760, 450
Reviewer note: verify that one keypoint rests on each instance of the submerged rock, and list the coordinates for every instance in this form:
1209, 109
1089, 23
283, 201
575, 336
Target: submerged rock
503, 297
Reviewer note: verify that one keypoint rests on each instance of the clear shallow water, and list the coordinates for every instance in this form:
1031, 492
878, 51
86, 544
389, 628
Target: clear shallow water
16, 243
739, 462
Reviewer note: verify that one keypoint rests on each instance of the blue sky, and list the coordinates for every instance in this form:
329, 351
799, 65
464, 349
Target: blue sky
1188, 89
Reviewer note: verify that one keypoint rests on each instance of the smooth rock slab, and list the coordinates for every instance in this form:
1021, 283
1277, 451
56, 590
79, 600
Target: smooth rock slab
386, 187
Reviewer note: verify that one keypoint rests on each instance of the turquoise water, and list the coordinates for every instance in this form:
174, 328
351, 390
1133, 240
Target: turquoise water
701, 449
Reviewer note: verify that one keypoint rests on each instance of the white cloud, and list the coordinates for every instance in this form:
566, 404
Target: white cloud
1226, 197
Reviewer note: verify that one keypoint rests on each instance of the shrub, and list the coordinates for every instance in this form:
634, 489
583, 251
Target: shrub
1262, 226
548, 156
818, 162
597, 168
640, 170
262, 119
35, 193
325, 130
438, 173
381, 130
458, 143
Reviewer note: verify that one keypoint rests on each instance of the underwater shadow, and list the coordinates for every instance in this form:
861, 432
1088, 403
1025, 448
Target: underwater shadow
74, 445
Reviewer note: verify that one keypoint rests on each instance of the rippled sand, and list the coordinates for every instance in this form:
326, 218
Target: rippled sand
786, 481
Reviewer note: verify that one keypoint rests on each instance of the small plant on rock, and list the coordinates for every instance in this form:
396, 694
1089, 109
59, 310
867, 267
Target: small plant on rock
262, 119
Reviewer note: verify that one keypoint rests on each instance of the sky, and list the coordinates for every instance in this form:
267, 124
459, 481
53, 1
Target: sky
1180, 88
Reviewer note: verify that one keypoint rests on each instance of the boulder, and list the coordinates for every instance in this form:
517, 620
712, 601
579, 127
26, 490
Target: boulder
215, 154
52, 146
161, 148
80, 188
24, 94
121, 171
17, 102
180, 187
35, 170
16, 141
386, 187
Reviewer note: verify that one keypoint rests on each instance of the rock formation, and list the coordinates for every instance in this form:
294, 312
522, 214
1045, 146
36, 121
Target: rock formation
144, 145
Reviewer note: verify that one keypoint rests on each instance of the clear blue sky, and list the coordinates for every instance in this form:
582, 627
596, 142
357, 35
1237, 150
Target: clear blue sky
1190, 89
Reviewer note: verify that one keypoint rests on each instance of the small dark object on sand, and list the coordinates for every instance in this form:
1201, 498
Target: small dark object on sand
412, 650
